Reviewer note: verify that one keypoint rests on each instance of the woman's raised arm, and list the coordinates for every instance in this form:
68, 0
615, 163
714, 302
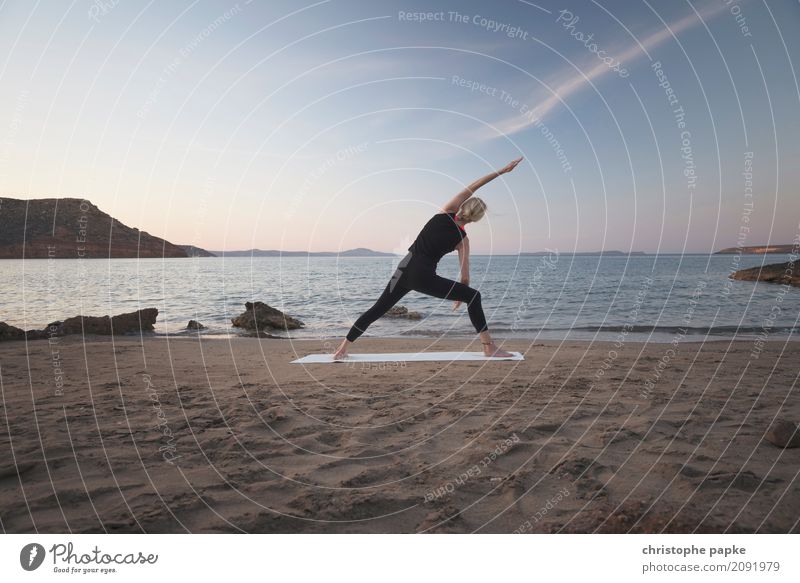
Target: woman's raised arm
455, 203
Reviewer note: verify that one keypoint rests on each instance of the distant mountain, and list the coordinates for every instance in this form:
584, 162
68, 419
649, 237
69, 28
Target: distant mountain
359, 252
756, 250
72, 228
588, 253
193, 251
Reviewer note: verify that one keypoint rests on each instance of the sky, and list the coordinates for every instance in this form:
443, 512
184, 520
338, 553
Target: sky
648, 126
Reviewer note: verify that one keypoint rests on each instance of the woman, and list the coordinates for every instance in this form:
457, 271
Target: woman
443, 233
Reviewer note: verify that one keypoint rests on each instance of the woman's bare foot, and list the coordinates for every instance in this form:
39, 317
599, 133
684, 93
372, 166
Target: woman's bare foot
341, 352
491, 349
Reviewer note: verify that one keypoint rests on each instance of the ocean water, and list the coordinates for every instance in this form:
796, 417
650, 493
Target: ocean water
659, 298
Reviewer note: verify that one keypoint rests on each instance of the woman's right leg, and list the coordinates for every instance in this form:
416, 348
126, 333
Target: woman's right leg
390, 296
395, 289
392, 293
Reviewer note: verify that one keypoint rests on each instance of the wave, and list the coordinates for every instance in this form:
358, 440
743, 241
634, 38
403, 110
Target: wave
610, 331
641, 329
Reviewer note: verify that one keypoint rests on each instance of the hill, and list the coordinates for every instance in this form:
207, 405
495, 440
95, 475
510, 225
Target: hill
193, 251
72, 228
587, 253
359, 252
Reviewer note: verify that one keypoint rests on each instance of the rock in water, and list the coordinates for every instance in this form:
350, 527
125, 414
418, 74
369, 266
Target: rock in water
259, 316
402, 312
788, 272
784, 433
9, 332
195, 325
139, 321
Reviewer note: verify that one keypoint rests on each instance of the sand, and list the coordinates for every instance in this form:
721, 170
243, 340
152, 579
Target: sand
224, 435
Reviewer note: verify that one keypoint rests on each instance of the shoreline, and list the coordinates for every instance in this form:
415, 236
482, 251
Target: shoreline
661, 336
658, 338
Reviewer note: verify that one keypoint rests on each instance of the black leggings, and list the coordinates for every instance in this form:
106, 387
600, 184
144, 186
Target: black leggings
419, 274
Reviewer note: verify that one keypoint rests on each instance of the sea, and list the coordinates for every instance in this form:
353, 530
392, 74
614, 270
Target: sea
648, 298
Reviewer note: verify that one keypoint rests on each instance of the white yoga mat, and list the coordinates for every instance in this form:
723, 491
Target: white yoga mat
404, 357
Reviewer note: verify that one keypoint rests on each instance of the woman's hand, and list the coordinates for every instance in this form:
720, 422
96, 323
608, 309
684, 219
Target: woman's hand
510, 166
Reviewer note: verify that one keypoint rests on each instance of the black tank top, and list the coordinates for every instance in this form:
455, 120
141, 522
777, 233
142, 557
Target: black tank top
438, 237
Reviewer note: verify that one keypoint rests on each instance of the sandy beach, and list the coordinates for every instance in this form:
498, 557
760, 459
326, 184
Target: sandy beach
224, 435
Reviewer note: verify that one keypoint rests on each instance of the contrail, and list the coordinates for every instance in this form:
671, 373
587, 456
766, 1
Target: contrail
578, 81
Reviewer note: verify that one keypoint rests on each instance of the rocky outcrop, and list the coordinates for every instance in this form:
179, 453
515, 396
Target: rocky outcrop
260, 318
788, 272
193, 251
139, 321
784, 433
8, 332
402, 312
756, 250
195, 325
72, 228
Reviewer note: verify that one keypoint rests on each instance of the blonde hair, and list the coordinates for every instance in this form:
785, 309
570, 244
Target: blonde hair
472, 209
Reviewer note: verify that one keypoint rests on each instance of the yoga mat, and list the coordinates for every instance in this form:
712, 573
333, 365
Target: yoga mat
403, 357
